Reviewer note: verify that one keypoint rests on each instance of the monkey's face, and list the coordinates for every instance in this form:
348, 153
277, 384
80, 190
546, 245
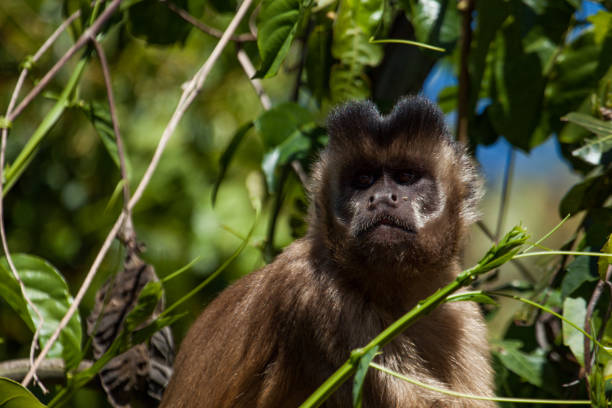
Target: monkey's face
392, 188
387, 205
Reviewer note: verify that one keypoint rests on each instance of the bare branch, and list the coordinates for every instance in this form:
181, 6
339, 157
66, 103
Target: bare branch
184, 14
466, 7
249, 70
127, 234
83, 39
50, 369
191, 90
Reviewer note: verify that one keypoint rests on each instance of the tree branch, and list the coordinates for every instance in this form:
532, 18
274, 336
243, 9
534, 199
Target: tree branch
191, 90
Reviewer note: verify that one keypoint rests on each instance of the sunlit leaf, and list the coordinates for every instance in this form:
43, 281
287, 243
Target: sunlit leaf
47, 289
590, 193
356, 22
14, 395
579, 271
278, 23
574, 310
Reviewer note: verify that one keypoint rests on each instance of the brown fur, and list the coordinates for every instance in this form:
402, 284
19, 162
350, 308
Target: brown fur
275, 335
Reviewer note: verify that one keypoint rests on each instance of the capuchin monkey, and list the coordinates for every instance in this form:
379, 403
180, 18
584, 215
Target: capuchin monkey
391, 200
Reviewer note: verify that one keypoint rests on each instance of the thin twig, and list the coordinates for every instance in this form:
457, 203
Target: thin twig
128, 234
191, 90
587, 321
184, 14
463, 103
83, 39
20, 81
507, 184
249, 70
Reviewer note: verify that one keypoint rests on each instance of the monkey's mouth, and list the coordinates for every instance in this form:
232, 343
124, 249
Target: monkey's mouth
386, 222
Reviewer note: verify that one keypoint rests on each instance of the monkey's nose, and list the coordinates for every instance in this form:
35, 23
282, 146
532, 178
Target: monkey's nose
382, 198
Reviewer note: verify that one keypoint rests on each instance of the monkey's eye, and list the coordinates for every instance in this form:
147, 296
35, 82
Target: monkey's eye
406, 177
363, 180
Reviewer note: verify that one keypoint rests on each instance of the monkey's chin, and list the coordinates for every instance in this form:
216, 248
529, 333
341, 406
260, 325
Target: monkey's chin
389, 236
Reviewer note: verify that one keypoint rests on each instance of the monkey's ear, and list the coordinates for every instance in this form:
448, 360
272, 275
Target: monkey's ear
352, 121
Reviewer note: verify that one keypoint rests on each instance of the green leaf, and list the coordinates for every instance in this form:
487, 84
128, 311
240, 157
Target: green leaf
599, 127
278, 23
99, 115
356, 22
295, 147
530, 367
318, 60
14, 395
277, 124
155, 23
47, 289
593, 150
360, 374
501, 253
602, 25
228, 155
579, 271
435, 22
474, 296
574, 310
148, 299
280, 129
603, 263
590, 193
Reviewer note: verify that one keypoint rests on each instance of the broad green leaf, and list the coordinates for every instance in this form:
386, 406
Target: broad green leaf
518, 89
295, 147
14, 395
228, 155
529, 367
47, 289
277, 124
578, 272
435, 22
154, 22
574, 310
599, 127
602, 25
148, 299
278, 23
356, 22
360, 374
590, 193
593, 150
